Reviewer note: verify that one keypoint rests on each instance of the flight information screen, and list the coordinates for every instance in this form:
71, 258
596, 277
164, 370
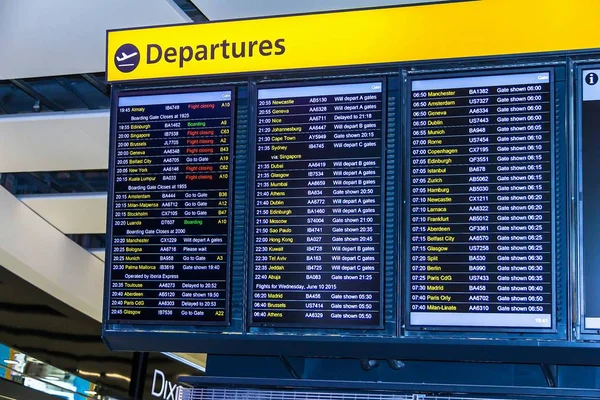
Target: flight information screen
318, 206
481, 202
590, 191
170, 208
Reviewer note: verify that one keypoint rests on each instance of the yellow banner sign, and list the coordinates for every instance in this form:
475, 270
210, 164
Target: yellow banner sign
424, 32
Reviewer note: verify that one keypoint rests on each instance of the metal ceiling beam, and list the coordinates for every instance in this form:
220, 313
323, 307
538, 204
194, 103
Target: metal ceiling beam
97, 83
62, 81
30, 90
190, 9
35, 178
82, 180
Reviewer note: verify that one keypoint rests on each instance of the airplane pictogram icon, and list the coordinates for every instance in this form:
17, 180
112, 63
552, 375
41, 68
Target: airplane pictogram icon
125, 56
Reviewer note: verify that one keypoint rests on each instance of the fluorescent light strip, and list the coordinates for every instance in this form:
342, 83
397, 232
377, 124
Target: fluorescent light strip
88, 373
118, 376
185, 361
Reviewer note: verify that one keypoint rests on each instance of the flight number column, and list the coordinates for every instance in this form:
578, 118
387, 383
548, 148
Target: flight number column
481, 202
171, 208
318, 206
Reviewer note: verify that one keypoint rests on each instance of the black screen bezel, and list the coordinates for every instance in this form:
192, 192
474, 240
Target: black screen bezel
252, 193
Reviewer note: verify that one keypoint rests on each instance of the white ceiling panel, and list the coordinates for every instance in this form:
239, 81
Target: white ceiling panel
42, 255
75, 213
54, 141
233, 9
62, 37
98, 253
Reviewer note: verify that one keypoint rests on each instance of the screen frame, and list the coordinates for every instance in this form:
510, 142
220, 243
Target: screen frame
481, 332
443, 346
298, 328
116, 94
576, 172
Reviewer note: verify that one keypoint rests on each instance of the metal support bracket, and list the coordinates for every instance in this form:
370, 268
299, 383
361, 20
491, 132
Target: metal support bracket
550, 373
294, 365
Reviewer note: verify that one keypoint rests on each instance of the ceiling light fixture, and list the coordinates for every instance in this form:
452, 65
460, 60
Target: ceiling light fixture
10, 362
90, 392
117, 376
88, 373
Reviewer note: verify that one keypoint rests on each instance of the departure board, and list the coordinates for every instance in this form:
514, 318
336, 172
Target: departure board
481, 202
318, 206
171, 207
590, 191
